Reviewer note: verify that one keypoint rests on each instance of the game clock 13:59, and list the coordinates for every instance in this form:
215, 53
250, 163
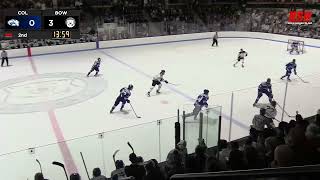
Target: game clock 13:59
60, 34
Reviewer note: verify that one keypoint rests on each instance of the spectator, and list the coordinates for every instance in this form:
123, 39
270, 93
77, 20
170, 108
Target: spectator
214, 165
283, 156
258, 123
236, 157
140, 160
119, 172
75, 176
182, 148
224, 153
251, 155
38, 176
174, 163
135, 169
270, 145
97, 174
304, 154
153, 171
197, 163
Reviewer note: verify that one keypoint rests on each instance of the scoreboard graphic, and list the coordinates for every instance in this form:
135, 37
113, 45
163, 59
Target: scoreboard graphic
37, 24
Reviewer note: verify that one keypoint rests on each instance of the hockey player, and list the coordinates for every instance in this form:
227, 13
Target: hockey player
271, 111
95, 67
294, 47
264, 88
215, 39
241, 56
157, 81
200, 102
123, 97
4, 57
289, 67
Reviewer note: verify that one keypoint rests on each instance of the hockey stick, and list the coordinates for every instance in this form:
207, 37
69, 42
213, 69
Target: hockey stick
130, 147
173, 84
302, 79
39, 166
61, 165
85, 166
134, 111
114, 157
285, 111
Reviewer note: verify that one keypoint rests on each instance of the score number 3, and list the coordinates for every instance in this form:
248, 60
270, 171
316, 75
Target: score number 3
50, 22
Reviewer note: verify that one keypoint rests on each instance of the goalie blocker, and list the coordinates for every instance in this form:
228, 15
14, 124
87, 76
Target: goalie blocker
295, 46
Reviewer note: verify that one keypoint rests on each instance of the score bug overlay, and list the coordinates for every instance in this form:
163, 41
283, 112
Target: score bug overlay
46, 24
23, 19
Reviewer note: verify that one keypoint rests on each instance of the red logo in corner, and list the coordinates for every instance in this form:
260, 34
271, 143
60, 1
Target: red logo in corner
300, 17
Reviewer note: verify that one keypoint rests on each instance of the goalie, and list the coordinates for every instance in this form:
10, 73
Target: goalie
295, 47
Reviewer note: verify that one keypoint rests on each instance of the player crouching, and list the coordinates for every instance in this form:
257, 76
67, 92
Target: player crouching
157, 81
95, 67
123, 97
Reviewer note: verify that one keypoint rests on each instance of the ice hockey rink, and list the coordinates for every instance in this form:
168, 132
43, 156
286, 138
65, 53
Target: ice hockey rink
48, 98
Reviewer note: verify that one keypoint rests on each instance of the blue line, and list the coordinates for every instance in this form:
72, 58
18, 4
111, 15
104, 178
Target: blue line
238, 123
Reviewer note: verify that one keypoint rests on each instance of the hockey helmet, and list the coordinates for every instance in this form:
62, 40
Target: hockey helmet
241, 49
206, 91
293, 60
162, 71
99, 59
269, 80
130, 87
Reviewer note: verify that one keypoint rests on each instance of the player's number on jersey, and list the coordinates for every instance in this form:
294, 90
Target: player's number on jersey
50, 22
31, 23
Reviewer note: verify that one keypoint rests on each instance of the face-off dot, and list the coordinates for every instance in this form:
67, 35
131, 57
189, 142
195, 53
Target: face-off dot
164, 102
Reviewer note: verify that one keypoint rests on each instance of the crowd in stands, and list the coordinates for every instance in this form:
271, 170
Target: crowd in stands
133, 19
294, 143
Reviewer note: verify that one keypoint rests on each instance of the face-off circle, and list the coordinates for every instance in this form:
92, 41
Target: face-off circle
38, 93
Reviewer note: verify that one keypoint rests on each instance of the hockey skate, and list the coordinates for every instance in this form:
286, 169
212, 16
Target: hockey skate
242, 66
158, 92
148, 94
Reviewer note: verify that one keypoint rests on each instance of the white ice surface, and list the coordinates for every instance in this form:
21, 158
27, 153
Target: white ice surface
195, 65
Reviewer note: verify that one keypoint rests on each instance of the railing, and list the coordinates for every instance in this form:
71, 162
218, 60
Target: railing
152, 140
300, 95
310, 172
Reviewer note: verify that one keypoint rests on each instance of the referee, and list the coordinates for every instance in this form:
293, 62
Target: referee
215, 39
4, 57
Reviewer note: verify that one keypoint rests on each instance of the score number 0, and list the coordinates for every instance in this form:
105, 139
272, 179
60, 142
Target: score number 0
31, 23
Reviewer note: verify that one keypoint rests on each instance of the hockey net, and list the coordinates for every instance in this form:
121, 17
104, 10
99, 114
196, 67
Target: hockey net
299, 43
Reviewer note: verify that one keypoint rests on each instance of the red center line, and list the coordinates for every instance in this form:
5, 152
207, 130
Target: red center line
67, 156
63, 146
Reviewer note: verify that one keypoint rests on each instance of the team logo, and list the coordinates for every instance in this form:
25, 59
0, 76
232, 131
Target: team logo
13, 23
70, 22
300, 17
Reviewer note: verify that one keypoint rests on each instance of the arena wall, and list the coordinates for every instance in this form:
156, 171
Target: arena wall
157, 40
